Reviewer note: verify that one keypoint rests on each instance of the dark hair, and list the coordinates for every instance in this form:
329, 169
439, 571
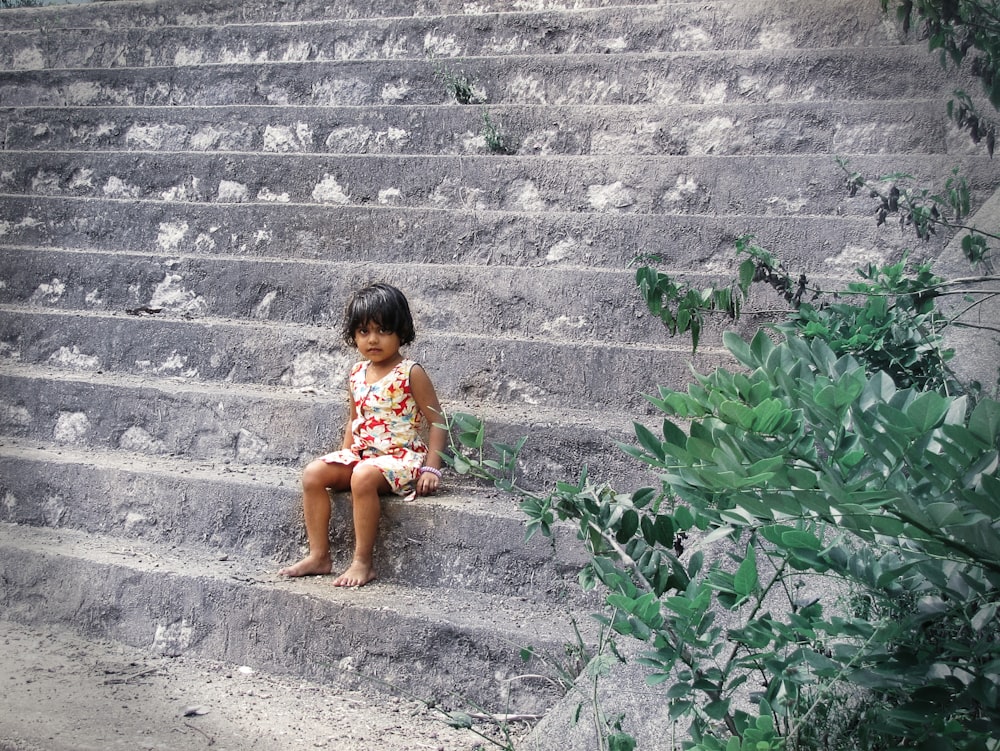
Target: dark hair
383, 305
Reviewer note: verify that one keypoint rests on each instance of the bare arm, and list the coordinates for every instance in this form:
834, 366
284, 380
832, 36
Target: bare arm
430, 408
352, 415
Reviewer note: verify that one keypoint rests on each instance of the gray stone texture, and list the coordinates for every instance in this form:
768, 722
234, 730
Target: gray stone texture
190, 190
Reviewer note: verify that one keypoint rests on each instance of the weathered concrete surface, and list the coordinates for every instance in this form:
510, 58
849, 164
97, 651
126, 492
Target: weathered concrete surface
432, 643
660, 28
461, 538
373, 236
768, 128
190, 191
713, 77
670, 185
65, 693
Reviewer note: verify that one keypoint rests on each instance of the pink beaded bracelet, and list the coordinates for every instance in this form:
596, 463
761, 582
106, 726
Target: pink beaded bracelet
432, 470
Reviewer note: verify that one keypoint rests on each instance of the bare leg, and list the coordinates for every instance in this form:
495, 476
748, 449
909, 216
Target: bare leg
367, 483
316, 478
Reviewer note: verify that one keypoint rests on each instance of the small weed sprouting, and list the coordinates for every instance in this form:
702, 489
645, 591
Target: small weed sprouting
458, 84
496, 140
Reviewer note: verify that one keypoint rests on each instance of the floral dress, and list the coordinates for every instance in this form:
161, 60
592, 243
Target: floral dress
387, 427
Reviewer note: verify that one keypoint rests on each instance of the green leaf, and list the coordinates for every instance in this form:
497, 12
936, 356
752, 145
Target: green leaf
984, 422
797, 538
745, 581
649, 441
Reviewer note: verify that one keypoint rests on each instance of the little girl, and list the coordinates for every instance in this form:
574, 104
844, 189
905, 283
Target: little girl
390, 399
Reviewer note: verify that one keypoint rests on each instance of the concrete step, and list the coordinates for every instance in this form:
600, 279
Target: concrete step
213, 12
373, 236
281, 426
441, 643
63, 692
503, 302
824, 127
466, 368
713, 77
655, 28
461, 538
645, 184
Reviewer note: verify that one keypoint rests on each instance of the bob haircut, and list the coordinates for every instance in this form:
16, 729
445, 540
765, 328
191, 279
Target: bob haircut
383, 305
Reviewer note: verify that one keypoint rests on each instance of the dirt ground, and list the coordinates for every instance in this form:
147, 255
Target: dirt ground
63, 693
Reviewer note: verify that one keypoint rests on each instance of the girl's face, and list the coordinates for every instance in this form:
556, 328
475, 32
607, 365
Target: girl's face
376, 344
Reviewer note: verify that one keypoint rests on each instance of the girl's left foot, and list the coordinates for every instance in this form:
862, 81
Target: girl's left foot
358, 574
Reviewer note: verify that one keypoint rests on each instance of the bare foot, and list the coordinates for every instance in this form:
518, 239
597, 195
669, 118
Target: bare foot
358, 574
311, 565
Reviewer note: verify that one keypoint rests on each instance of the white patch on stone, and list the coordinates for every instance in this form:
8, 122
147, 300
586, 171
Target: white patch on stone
262, 310
250, 448
775, 39
71, 427
610, 197
397, 135
351, 139
591, 91
171, 295
265, 194
144, 136
786, 205
83, 92
284, 138
205, 139
173, 638
74, 358
173, 365
618, 44
441, 46
396, 46
15, 415
691, 38
471, 198
684, 189
562, 250
40, 130
82, 178
712, 94
353, 48
523, 195
322, 370
472, 143
170, 235
204, 242
395, 92
297, 52
186, 191
389, 195
855, 256
93, 298
115, 187
9, 501
49, 293
527, 89
134, 520
30, 58
231, 191
188, 56
564, 324
328, 190
139, 440
45, 182
709, 138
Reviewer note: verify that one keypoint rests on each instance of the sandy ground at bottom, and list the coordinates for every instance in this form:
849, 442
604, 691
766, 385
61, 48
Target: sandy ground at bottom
59, 692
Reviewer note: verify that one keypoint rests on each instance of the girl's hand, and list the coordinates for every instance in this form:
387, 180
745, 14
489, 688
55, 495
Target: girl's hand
427, 483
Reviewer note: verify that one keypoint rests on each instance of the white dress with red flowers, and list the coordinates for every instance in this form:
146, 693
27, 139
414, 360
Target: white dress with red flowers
387, 428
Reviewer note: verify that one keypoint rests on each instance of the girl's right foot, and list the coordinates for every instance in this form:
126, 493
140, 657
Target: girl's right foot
309, 566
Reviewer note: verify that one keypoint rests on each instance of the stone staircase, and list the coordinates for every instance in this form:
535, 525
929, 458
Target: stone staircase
189, 191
